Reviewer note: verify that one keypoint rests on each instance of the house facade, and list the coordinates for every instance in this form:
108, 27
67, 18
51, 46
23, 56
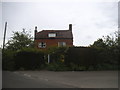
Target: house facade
50, 38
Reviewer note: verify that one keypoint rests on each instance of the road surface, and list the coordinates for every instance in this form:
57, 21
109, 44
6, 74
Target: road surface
69, 79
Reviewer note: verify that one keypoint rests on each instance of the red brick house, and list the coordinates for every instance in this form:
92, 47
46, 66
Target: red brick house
50, 38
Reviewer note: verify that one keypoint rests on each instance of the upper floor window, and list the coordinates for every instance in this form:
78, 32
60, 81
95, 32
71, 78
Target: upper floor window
41, 45
52, 35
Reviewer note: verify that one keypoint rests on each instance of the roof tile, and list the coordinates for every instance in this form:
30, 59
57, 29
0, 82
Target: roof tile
59, 33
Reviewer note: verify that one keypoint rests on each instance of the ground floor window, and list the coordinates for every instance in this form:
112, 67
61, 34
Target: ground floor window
61, 44
42, 45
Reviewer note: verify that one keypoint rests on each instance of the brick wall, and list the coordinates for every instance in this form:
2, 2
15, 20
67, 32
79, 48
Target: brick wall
53, 42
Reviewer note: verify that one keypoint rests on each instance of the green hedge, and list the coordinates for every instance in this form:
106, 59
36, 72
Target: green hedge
87, 58
61, 59
81, 56
29, 59
8, 60
25, 59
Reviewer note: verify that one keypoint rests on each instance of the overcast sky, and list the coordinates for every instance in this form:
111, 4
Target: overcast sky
91, 20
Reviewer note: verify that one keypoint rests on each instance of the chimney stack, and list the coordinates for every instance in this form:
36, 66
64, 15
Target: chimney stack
35, 31
70, 27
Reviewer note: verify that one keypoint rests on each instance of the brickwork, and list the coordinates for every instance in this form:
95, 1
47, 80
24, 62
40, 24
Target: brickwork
53, 42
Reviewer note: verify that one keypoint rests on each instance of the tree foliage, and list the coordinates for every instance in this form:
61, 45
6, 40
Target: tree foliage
20, 40
99, 44
108, 49
107, 42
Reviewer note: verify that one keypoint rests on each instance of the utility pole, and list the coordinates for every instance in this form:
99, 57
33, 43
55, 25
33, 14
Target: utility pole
4, 35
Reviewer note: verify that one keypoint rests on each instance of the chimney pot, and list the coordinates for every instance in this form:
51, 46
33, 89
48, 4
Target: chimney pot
35, 27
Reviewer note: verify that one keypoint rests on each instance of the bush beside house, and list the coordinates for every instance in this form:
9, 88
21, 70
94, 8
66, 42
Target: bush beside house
26, 59
61, 59
29, 59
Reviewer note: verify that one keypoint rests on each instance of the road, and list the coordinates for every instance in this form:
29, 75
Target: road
69, 79
15, 80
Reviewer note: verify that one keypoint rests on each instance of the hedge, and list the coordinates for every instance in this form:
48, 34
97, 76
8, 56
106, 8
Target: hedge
29, 59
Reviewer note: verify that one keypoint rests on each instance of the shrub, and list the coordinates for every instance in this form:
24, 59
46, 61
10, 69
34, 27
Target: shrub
106, 66
82, 56
29, 59
76, 67
57, 66
56, 53
8, 60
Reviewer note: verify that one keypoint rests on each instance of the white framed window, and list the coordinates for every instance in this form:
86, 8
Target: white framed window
52, 35
42, 45
61, 44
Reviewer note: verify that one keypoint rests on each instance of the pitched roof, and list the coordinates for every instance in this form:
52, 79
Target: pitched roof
65, 34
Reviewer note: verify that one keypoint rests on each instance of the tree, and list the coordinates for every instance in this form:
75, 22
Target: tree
108, 41
99, 44
108, 50
20, 40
